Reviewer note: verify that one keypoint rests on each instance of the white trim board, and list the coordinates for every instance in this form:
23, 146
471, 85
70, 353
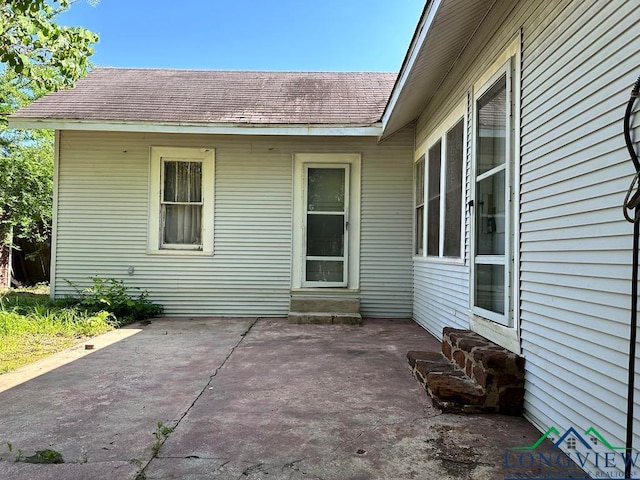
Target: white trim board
363, 130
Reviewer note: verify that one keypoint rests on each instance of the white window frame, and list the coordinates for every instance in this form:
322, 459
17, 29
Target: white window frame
502, 329
158, 155
459, 113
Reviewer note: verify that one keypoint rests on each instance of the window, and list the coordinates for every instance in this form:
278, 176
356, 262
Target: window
181, 203
419, 205
443, 192
454, 161
492, 184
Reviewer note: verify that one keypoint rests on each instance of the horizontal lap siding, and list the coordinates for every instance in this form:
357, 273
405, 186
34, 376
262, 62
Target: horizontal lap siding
103, 207
575, 245
385, 251
441, 296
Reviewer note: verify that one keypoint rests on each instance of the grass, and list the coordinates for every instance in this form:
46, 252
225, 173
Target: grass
32, 326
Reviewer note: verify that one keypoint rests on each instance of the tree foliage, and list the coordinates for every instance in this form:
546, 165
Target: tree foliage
37, 56
26, 168
30, 39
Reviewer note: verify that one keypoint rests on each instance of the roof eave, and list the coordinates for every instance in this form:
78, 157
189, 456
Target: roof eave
424, 24
425, 68
338, 129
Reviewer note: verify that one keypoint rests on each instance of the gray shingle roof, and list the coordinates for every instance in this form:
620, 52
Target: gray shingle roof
199, 96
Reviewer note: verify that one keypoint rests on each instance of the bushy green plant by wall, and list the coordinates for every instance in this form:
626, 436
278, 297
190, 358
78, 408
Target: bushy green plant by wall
115, 297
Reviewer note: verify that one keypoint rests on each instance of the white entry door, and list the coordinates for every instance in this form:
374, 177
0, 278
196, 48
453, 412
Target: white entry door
326, 225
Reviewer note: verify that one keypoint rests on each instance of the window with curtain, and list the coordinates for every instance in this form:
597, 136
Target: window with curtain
181, 201
182, 204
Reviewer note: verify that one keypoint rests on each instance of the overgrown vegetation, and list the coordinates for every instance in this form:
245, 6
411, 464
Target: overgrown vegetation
33, 326
113, 296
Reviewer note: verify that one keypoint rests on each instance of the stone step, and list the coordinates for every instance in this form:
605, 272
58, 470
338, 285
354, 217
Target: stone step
310, 304
450, 389
329, 318
497, 370
472, 374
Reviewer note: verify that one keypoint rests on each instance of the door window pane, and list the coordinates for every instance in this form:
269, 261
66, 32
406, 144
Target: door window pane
325, 235
453, 196
492, 127
489, 294
490, 218
326, 190
433, 196
325, 271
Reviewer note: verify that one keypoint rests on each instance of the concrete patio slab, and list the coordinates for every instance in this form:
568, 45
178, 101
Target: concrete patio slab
252, 399
101, 410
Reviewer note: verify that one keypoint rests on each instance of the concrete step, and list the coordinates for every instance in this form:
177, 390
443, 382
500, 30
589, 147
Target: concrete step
328, 318
308, 304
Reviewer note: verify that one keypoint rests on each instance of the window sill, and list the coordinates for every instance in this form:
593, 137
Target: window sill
180, 253
440, 260
507, 337
320, 290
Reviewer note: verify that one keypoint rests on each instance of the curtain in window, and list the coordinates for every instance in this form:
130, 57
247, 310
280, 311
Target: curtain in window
182, 203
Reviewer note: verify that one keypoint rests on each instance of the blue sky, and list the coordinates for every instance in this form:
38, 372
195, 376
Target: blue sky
305, 35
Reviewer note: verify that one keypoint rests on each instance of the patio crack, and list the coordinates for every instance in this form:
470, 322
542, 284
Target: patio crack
164, 438
215, 372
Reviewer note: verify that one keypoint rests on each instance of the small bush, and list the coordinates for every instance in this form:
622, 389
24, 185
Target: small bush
113, 296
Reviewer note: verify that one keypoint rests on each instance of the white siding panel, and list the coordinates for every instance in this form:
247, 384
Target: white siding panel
386, 226
103, 211
576, 246
441, 296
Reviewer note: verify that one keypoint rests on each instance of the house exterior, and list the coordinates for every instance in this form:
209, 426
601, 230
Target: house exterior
480, 189
257, 139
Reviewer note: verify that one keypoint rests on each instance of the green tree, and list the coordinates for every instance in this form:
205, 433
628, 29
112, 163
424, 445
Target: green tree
30, 38
26, 167
37, 56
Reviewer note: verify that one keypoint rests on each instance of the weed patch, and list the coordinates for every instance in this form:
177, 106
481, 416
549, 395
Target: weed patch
32, 326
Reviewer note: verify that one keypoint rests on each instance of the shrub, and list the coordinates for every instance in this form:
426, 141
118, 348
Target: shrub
113, 296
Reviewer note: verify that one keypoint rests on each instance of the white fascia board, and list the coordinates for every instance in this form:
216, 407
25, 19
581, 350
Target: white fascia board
364, 130
412, 55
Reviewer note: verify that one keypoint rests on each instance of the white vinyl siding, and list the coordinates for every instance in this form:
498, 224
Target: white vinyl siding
103, 204
579, 61
576, 246
441, 296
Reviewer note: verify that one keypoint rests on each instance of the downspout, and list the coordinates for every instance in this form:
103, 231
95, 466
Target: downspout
632, 204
